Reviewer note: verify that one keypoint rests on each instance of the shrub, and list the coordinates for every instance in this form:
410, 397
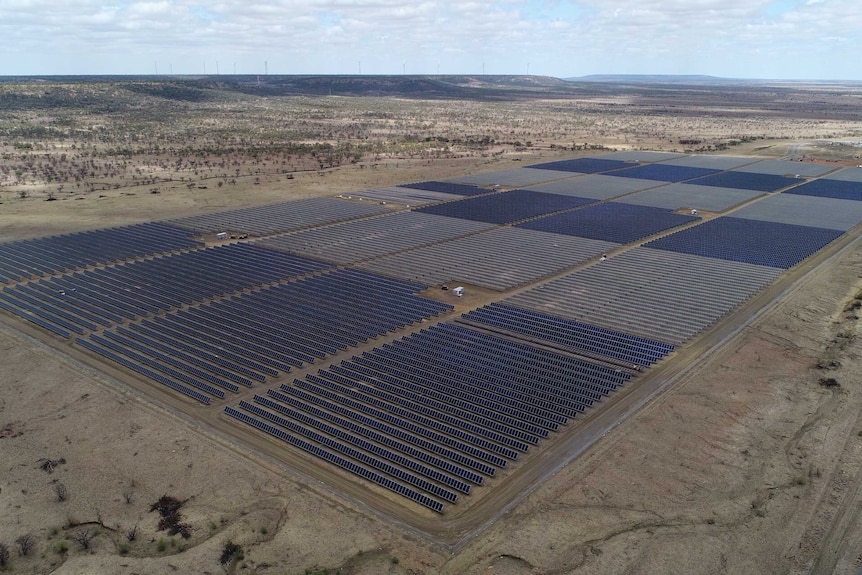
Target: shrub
231, 552
25, 544
83, 538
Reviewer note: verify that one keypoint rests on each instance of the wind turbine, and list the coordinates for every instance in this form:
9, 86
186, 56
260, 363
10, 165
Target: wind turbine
266, 67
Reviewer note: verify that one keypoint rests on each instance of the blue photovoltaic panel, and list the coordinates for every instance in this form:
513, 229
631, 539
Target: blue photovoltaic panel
583, 165
69, 251
750, 241
611, 221
572, 334
446, 188
747, 181
664, 172
506, 207
826, 188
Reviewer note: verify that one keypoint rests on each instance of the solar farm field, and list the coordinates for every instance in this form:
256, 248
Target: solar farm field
332, 337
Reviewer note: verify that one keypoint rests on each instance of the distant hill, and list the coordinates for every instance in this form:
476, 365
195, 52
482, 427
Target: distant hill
199, 88
657, 79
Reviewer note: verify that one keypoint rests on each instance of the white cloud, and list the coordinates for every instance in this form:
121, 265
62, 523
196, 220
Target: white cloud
770, 38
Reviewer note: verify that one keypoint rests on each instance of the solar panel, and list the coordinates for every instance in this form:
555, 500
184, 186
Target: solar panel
506, 207
750, 241
826, 188
746, 181
611, 221
582, 165
663, 172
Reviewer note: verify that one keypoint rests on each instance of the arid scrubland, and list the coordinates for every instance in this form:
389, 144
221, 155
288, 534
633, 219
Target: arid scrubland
69, 139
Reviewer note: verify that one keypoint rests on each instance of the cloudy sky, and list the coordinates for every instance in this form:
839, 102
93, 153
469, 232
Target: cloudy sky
792, 39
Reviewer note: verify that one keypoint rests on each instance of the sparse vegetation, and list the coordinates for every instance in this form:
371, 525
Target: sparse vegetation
231, 552
829, 382
61, 491
132, 533
83, 537
25, 544
48, 465
171, 518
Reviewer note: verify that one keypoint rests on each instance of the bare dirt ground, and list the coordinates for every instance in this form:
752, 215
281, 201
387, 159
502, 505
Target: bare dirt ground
751, 462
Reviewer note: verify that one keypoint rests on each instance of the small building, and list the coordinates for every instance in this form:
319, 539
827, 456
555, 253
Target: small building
221, 236
458, 291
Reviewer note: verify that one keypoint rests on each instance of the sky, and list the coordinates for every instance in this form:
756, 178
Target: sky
768, 39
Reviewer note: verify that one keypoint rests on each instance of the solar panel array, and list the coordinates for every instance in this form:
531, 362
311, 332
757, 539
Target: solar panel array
55, 254
663, 172
788, 168
690, 196
370, 237
826, 188
506, 207
847, 175
434, 412
583, 165
596, 186
747, 181
751, 241
266, 331
447, 188
599, 343
100, 297
804, 210
611, 221
499, 259
283, 217
664, 296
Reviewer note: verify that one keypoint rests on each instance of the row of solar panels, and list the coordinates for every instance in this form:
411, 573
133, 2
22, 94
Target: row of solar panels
435, 411
37, 257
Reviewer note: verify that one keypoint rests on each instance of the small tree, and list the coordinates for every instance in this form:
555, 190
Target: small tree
132, 533
83, 537
25, 544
